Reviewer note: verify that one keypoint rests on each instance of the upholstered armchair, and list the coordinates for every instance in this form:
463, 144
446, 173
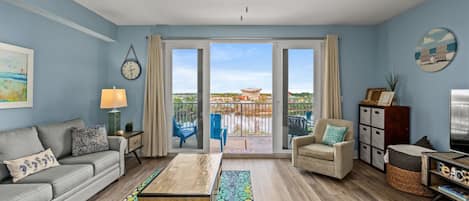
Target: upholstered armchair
336, 161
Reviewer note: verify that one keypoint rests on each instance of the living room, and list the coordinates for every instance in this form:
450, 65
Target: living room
233, 100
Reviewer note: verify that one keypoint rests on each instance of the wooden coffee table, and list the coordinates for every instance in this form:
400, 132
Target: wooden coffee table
187, 177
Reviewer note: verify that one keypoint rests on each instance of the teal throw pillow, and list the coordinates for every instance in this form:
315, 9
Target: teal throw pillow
334, 134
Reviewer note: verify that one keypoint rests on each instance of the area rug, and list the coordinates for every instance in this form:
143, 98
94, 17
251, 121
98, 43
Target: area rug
234, 186
133, 196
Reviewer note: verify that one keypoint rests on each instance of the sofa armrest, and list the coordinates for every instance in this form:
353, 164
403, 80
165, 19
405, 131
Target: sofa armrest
298, 142
119, 144
343, 158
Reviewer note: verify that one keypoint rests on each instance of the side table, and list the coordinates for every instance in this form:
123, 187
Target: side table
134, 140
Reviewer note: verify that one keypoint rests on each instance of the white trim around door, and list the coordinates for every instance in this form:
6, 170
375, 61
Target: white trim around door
203, 77
278, 84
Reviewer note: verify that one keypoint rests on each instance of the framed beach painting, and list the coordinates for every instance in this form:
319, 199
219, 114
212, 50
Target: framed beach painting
436, 50
16, 76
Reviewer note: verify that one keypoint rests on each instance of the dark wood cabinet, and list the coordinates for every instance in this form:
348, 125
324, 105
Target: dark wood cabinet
379, 127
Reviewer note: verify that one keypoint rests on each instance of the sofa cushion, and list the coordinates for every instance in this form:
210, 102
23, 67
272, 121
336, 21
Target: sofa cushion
24, 166
100, 160
15, 144
62, 178
319, 151
25, 192
58, 136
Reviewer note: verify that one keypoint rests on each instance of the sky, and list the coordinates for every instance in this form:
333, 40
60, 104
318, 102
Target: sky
237, 66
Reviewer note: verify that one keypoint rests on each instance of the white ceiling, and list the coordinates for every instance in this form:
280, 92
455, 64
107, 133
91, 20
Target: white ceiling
261, 12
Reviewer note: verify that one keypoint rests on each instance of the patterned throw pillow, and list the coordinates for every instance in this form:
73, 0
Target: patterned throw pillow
89, 140
22, 167
334, 134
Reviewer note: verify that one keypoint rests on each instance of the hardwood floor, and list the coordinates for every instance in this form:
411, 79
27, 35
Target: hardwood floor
277, 180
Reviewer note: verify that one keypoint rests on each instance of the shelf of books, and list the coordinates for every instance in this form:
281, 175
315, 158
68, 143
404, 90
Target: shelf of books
449, 175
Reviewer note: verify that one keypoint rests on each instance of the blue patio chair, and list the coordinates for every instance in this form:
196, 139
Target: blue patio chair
216, 131
308, 115
183, 132
309, 119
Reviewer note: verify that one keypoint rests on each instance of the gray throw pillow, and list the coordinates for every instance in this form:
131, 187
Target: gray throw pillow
89, 140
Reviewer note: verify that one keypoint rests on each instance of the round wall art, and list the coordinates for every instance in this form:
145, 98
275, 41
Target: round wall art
436, 50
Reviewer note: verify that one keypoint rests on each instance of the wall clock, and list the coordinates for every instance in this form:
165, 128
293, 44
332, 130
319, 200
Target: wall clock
436, 50
131, 68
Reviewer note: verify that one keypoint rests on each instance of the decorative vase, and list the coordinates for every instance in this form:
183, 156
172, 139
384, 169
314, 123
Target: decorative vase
395, 100
129, 127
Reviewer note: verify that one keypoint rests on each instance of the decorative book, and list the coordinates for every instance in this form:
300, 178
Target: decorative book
455, 191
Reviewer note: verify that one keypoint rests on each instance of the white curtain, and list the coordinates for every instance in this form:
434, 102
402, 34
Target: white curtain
331, 94
155, 139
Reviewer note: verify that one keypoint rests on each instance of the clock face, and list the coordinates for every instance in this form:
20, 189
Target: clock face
131, 69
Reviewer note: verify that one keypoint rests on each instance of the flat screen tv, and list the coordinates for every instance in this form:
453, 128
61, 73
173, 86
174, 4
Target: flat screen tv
459, 120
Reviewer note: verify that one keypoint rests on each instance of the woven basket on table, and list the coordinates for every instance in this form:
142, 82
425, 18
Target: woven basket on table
407, 181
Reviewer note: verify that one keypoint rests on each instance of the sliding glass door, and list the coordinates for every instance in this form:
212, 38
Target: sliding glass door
186, 66
285, 108
298, 91
241, 97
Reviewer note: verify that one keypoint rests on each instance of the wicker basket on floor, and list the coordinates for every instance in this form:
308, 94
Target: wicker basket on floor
407, 181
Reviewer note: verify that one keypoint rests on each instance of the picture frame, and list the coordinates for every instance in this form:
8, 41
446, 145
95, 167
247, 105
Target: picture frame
16, 76
386, 98
372, 96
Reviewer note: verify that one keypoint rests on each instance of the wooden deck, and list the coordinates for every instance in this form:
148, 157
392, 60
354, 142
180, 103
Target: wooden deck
251, 144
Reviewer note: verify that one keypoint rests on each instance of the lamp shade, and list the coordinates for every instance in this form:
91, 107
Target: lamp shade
113, 98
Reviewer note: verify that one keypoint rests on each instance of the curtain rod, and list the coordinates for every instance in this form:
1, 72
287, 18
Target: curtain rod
241, 38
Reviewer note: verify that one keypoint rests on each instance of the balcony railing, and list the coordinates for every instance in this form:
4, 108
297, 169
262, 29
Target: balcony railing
241, 119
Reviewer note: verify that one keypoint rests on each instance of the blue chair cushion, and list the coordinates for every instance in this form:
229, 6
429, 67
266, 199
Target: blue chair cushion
187, 131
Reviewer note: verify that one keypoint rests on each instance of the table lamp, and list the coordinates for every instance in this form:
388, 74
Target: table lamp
113, 99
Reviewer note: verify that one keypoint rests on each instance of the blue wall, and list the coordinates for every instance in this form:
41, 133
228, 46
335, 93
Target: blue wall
358, 56
426, 93
75, 12
72, 67
69, 68
135, 88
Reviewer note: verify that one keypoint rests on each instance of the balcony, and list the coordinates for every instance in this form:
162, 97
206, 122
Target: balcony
249, 125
